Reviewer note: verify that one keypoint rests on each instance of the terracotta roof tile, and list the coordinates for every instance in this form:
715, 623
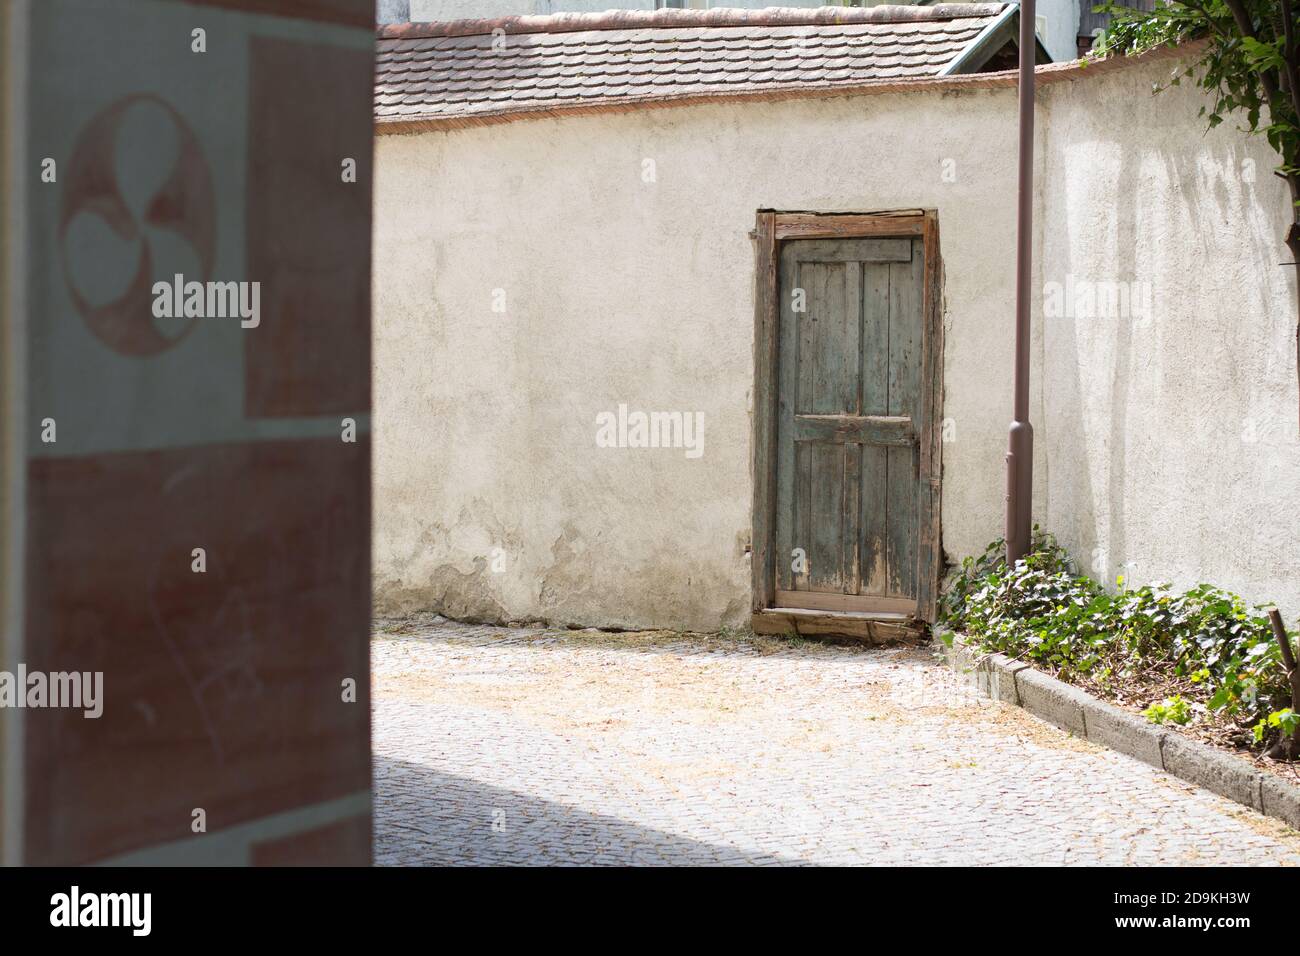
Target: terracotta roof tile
463, 69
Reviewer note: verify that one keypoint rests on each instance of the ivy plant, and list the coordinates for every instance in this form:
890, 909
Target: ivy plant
1042, 610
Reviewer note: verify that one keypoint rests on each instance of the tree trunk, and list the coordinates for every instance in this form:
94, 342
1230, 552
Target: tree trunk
1293, 243
1288, 747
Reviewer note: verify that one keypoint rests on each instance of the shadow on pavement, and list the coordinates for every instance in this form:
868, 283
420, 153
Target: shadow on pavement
424, 817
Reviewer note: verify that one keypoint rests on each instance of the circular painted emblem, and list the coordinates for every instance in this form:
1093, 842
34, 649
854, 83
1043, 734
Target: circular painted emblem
137, 180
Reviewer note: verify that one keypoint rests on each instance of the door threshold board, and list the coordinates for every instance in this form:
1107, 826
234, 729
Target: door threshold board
890, 616
875, 627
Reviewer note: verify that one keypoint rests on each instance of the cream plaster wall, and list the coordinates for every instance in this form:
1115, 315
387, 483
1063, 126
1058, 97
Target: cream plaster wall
622, 290
1169, 440
1166, 440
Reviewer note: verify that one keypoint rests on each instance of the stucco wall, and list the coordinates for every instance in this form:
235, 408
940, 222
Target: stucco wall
392, 11
620, 290
1168, 439
1061, 36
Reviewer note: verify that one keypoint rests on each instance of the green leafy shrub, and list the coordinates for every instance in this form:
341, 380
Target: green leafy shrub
1171, 710
1284, 721
1205, 643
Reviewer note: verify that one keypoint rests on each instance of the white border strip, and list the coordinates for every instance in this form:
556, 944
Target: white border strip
13, 411
233, 845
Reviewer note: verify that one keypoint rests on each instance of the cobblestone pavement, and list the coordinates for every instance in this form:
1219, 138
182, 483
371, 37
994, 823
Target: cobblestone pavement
522, 746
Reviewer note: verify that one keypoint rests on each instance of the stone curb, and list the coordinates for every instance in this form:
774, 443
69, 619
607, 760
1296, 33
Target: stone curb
1085, 716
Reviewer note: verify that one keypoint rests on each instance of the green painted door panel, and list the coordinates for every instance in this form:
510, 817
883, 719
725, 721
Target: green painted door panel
849, 409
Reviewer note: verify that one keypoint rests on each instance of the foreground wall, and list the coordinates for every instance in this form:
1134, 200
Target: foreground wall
1167, 434
183, 513
533, 275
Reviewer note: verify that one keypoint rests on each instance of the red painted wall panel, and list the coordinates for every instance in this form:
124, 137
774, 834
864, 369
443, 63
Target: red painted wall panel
222, 690
313, 354
345, 840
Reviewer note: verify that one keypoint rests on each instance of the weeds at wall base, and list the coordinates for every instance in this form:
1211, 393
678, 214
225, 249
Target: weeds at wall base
1201, 660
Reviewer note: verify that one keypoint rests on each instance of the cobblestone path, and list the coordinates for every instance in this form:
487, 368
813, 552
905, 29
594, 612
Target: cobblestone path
526, 746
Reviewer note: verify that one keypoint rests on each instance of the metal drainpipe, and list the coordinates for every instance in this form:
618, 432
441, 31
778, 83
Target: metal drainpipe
1020, 445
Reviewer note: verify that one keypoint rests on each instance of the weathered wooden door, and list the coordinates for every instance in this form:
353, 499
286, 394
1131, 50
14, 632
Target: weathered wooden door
851, 501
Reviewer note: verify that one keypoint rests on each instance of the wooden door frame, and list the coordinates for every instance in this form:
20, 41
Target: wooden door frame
773, 228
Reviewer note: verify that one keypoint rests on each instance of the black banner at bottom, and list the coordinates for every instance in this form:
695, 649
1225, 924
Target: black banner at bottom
367, 907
